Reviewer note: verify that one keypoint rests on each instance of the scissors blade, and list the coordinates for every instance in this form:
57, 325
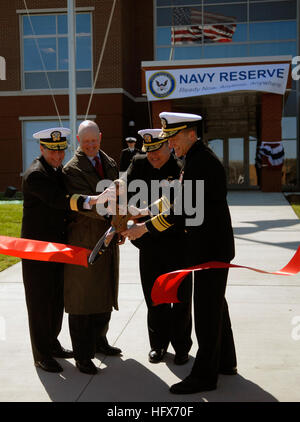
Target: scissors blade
101, 245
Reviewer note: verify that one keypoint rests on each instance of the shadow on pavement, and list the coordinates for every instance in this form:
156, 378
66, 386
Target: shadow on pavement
230, 388
256, 198
262, 225
287, 245
129, 381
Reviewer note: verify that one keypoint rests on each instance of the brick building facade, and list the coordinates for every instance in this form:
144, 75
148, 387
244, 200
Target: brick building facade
117, 98
138, 40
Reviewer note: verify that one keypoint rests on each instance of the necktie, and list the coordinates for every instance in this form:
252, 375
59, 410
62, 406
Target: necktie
98, 166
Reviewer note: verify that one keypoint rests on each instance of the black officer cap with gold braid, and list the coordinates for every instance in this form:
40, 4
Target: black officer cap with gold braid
151, 139
173, 123
53, 138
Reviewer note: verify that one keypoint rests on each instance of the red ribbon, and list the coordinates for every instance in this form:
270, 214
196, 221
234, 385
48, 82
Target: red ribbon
43, 251
166, 285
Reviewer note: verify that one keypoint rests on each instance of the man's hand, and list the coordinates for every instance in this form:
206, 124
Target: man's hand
121, 239
138, 213
135, 232
108, 195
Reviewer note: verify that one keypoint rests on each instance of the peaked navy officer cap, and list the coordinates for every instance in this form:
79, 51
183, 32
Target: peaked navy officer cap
130, 139
53, 138
151, 139
172, 123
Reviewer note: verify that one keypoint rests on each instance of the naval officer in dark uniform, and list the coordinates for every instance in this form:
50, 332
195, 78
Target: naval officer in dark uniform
46, 203
159, 254
128, 153
210, 240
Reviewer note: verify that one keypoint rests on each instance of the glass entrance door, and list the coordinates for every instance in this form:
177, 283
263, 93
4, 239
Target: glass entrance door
234, 154
237, 167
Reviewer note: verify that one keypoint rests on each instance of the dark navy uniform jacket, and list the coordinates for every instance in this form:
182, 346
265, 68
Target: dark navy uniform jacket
213, 239
140, 168
46, 203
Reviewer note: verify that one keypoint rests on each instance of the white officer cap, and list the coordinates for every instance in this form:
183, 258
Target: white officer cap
130, 139
53, 138
172, 123
151, 139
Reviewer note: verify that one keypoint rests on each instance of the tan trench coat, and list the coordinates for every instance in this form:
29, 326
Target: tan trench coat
95, 289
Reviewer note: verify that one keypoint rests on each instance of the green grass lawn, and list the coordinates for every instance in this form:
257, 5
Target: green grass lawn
10, 225
294, 200
296, 208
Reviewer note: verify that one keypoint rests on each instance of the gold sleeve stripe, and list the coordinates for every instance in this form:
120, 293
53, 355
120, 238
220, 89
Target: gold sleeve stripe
163, 221
157, 225
73, 202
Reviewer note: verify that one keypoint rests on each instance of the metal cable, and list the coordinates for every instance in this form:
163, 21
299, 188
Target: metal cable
101, 57
43, 64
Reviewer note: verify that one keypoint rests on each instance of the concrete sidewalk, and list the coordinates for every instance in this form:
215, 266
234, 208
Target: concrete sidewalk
262, 307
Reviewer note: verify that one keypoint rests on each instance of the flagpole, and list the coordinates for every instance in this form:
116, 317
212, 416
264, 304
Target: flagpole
172, 36
172, 49
72, 73
298, 105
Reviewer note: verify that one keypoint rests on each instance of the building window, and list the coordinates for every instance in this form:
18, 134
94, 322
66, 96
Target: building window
187, 29
45, 51
289, 142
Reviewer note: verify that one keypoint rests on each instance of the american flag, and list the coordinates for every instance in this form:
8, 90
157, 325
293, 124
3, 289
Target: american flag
192, 26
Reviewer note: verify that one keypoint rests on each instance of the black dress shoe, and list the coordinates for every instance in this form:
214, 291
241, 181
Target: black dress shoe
228, 371
108, 350
49, 365
181, 359
63, 353
86, 366
156, 355
191, 385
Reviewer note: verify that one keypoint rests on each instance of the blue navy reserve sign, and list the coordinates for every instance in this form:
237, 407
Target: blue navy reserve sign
161, 84
191, 82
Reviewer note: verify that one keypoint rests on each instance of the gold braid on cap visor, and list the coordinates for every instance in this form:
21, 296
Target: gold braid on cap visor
55, 145
174, 128
148, 147
167, 133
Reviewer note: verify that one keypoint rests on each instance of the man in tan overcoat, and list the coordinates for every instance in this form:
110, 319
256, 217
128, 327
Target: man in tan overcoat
90, 293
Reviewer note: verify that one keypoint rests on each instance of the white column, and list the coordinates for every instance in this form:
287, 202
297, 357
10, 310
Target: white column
72, 72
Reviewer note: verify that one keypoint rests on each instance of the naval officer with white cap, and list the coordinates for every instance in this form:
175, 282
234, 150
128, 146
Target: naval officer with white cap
128, 153
212, 240
158, 254
45, 207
